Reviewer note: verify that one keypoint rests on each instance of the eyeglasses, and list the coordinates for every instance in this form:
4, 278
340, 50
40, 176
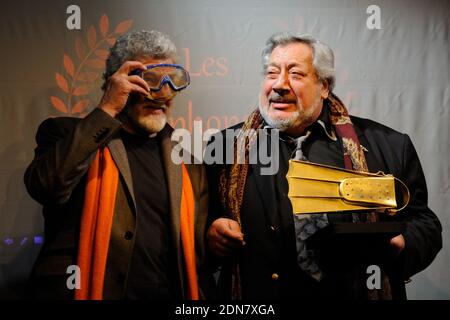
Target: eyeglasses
157, 75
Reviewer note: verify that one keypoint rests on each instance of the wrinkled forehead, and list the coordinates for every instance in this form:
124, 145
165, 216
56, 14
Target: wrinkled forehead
291, 54
152, 60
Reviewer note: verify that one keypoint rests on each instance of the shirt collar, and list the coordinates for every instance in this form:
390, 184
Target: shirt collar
325, 124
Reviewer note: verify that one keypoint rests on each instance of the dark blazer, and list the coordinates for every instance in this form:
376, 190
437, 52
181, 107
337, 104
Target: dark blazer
268, 260
56, 178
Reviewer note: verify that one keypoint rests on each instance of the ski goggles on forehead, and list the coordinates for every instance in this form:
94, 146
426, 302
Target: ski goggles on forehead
158, 75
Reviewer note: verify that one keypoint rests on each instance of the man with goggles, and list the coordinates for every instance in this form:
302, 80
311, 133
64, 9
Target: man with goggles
114, 166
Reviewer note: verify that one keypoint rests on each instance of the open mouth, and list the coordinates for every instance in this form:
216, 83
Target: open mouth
281, 103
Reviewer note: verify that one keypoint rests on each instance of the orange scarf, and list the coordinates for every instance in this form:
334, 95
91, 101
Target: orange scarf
96, 224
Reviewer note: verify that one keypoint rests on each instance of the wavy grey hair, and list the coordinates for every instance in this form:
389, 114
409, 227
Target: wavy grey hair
144, 43
323, 57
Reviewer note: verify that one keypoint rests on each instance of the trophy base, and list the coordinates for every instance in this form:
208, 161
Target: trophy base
368, 230
356, 238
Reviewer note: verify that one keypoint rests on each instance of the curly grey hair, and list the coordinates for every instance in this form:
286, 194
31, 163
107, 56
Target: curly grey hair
144, 43
323, 57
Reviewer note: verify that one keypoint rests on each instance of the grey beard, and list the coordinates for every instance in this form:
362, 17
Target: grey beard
280, 124
145, 126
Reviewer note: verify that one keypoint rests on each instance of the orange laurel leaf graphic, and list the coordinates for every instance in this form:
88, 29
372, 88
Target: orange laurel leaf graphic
81, 91
68, 64
80, 106
111, 41
80, 48
104, 25
79, 79
96, 63
123, 26
102, 54
88, 76
58, 104
62, 82
91, 36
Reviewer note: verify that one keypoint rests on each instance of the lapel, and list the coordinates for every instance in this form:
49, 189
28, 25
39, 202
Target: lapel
174, 182
119, 155
265, 184
372, 152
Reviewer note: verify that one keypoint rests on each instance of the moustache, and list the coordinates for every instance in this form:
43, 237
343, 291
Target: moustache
146, 104
275, 97
152, 105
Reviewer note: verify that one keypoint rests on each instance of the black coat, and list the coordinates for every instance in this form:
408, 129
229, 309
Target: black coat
56, 178
268, 260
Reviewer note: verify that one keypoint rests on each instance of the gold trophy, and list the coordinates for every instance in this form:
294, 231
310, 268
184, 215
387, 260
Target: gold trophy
316, 188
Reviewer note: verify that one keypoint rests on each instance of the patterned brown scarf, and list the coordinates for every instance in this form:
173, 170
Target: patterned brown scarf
232, 181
